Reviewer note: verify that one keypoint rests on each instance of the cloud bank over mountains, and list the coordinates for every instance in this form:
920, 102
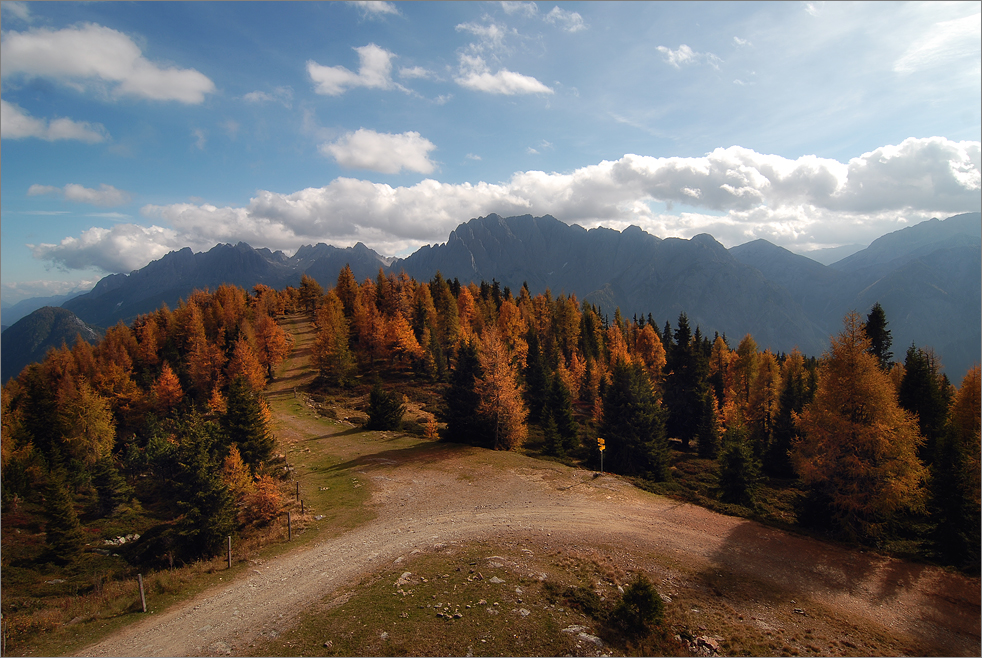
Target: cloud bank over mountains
736, 194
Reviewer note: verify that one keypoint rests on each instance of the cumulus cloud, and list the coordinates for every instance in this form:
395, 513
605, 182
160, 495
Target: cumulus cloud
122, 248
685, 55
375, 9
475, 74
415, 72
570, 21
736, 194
106, 195
382, 152
374, 72
92, 55
15, 123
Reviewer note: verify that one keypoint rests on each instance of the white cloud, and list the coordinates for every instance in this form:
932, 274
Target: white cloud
374, 72
283, 95
375, 9
106, 195
122, 248
742, 42
100, 57
200, 138
491, 35
475, 74
570, 21
735, 194
943, 44
529, 9
471, 156
18, 10
382, 152
685, 55
15, 291
15, 123
415, 72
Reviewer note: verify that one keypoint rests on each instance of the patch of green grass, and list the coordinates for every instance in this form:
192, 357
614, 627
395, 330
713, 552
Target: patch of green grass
479, 598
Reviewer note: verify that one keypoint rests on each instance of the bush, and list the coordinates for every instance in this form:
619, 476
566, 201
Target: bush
640, 609
384, 410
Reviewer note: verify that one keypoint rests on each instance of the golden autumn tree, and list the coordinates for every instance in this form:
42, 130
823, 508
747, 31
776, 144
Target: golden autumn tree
244, 363
271, 342
331, 354
859, 450
166, 392
652, 353
236, 475
500, 400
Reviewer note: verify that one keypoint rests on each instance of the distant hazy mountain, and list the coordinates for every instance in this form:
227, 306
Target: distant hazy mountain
28, 339
11, 313
830, 255
632, 270
927, 277
173, 277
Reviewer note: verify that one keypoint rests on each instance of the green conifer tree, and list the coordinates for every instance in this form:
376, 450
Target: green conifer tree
879, 336
634, 425
739, 472
63, 531
245, 425
384, 409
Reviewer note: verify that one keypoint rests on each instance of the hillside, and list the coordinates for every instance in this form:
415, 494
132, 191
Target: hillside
29, 339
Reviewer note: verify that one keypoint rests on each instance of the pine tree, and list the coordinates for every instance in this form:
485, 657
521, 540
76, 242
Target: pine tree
559, 418
310, 293
207, 507
536, 377
795, 394
111, 488
166, 392
921, 394
707, 432
331, 353
271, 343
246, 366
739, 470
384, 409
879, 336
633, 425
462, 400
243, 424
62, 531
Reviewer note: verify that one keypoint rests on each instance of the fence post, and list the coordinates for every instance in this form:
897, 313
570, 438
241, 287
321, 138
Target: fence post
301, 507
298, 489
289, 527
230, 551
143, 597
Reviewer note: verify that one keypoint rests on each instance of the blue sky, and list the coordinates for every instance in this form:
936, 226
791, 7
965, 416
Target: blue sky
133, 129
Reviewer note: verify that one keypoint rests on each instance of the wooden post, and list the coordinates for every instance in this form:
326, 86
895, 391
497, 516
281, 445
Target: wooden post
230, 551
301, 507
289, 527
298, 489
143, 597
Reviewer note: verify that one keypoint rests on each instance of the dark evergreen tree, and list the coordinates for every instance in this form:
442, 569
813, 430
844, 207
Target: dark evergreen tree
536, 378
707, 431
633, 425
921, 393
244, 424
462, 401
208, 513
795, 394
739, 471
384, 409
559, 413
640, 610
955, 534
111, 488
62, 531
685, 384
879, 336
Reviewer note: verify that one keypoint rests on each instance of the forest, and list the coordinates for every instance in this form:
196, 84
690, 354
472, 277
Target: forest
166, 417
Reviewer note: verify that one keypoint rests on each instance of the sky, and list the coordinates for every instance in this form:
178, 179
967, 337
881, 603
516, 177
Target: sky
130, 130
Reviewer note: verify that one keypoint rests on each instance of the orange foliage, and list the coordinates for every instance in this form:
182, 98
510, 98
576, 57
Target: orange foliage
166, 391
244, 363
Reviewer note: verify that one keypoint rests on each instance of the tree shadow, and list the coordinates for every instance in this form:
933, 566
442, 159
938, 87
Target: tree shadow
427, 452
941, 609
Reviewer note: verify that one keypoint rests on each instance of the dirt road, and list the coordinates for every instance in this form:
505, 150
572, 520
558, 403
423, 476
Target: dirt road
451, 494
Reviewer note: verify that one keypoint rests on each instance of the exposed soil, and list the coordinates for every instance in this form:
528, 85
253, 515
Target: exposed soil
831, 599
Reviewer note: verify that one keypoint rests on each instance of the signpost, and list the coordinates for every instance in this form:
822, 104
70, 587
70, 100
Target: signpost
602, 446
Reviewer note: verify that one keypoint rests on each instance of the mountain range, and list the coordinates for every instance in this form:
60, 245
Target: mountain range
927, 277
29, 339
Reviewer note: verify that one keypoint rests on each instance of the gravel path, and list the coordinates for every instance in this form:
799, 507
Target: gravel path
465, 493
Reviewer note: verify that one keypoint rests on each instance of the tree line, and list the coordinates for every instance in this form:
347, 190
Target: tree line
168, 412
878, 446
164, 417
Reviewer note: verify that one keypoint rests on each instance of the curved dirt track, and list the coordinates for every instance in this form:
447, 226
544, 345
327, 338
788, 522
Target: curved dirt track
424, 499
